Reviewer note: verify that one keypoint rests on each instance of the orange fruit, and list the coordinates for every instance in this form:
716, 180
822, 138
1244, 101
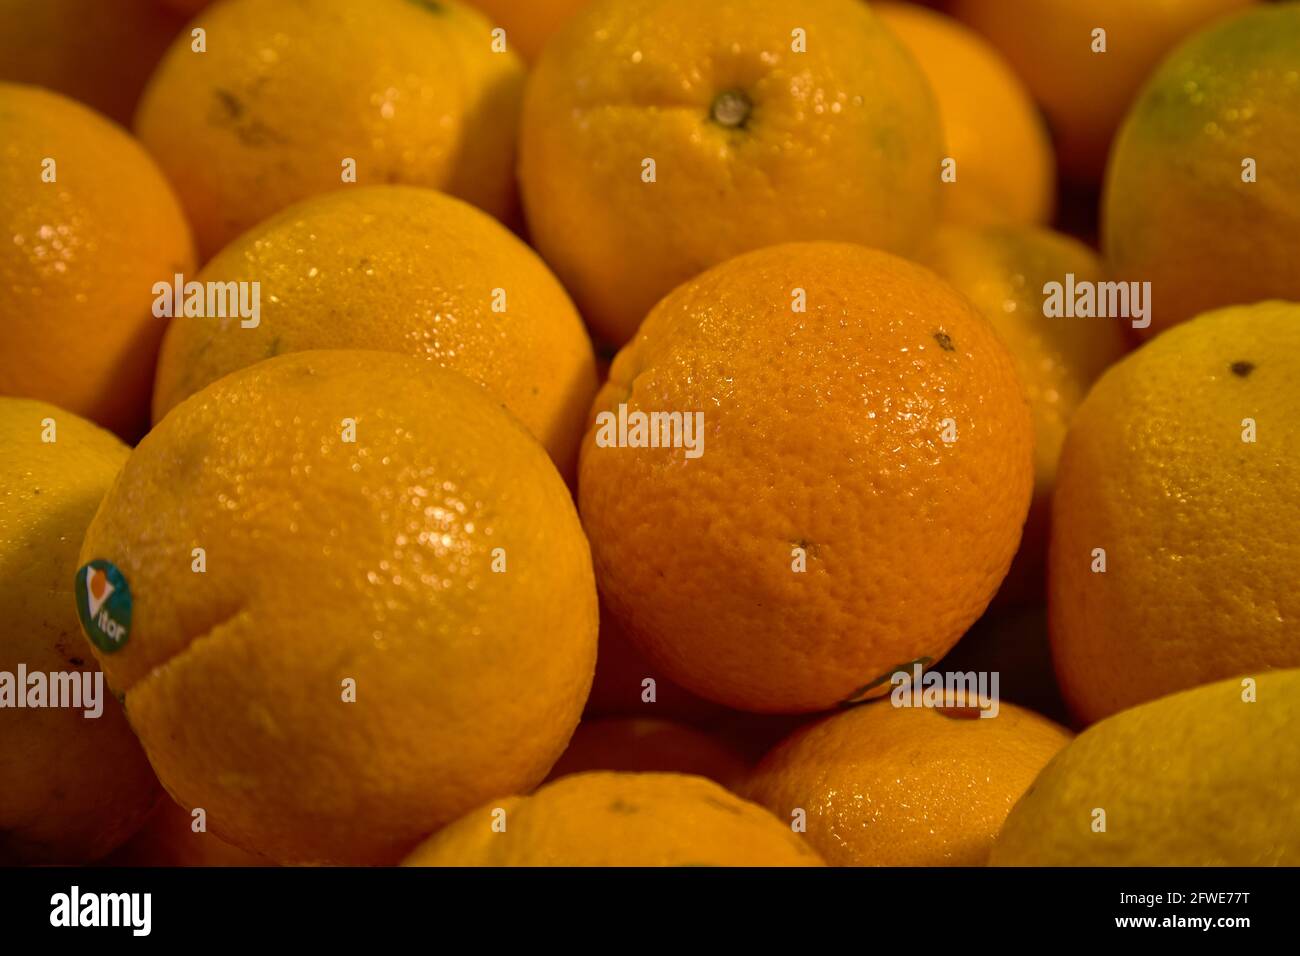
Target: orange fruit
287, 93
1177, 212
1003, 270
402, 269
1085, 94
645, 744
1005, 168
169, 839
100, 54
824, 448
529, 25
618, 819
1176, 521
75, 781
89, 225
890, 786
396, 616
752, 142
1205, 777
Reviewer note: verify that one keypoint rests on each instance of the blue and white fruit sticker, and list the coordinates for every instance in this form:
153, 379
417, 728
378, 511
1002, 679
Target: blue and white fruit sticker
104, 605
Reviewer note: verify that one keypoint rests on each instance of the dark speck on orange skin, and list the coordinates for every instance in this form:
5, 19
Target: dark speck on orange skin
944, 341
620, 806
1242, 369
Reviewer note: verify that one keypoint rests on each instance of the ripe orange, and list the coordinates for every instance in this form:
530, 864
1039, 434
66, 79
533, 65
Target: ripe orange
891, 786
644, 744
1199, 524
754, 141
618, 819
89, 225
100, 54
395, 618
530, 24
1177, 212
286, 93
1003, 270
407, 270
1005, 168
824, 449
1085, 94
72, 787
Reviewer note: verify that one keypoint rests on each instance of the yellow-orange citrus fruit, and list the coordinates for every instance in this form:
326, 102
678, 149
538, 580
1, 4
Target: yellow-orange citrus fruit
1203, 191
1205, 777
1085, 94
289, 99
529, 25
644, 744
1176, 520
1004, 271
849, 494
395, 618
98, 53
1005, 170
661, 137
618, 819
89, 225
76, 783
899, 786
406, 270
169, 838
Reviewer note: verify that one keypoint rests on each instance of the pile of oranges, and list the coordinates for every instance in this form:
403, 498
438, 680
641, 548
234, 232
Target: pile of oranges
649, 432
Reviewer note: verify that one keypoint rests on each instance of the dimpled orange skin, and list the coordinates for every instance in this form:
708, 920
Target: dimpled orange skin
1200, 528
849, 127
529, 24
329, 560
822, 432
1003, 270
79, 257
892, 786
408, 270
1005, 168
619, 819
1176, 212
1085, 94
100, 54
409, 89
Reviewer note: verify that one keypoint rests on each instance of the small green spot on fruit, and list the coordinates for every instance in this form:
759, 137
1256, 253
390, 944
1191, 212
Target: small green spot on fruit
433, 6
732, 109
945, 341
1242, 369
